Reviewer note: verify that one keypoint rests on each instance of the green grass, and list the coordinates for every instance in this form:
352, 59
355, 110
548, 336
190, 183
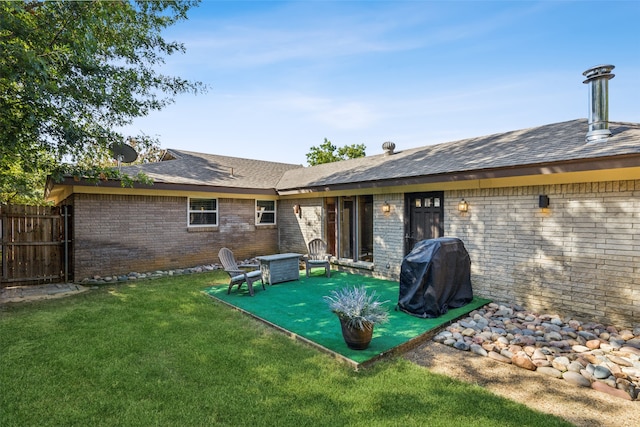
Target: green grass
162, 353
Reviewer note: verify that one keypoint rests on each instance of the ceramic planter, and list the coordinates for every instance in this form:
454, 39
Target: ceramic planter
356, 339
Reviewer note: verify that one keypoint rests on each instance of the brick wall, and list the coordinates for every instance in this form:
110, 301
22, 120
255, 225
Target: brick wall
296, 230
119, 234
388, 235
580, 257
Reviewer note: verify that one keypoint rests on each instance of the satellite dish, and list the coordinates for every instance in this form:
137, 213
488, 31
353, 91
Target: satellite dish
123, 153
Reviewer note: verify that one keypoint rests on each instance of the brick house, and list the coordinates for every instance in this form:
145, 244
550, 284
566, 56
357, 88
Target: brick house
550, 215
197, 204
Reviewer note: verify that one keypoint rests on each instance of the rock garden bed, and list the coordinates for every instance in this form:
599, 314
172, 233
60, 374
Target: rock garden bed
584, 354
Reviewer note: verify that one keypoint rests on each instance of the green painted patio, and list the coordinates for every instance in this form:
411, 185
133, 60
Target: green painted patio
298, 309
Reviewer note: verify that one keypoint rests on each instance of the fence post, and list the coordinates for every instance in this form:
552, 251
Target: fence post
65, 215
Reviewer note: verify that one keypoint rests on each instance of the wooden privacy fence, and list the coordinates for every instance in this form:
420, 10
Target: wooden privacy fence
35, 244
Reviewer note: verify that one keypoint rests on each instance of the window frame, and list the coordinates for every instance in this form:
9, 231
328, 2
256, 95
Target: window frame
215, 211
258, 213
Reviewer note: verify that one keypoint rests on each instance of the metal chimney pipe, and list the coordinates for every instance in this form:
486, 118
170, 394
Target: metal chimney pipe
598, 79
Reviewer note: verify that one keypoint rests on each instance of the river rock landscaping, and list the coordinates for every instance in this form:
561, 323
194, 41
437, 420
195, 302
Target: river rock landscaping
100, 280
134, 275
584, 354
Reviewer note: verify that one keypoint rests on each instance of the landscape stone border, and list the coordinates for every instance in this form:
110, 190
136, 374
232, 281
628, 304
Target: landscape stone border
584, 354
98, 280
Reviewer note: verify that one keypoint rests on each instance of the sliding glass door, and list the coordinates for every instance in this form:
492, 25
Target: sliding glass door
355, 228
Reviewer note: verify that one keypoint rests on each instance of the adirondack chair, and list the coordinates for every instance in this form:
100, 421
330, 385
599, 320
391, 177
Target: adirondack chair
237, 276
317, 257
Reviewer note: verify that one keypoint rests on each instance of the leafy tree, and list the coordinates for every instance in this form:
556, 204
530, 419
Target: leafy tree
20, 187
148, 150
328, 153
71, 72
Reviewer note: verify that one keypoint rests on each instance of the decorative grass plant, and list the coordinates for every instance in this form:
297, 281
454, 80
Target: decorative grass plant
357, 307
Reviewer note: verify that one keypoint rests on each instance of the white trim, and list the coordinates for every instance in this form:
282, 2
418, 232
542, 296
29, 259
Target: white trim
214, 211
259, 211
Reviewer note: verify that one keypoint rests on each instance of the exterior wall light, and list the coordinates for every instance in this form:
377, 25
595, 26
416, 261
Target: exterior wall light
386, 207
296, 209
543, 202
463, 206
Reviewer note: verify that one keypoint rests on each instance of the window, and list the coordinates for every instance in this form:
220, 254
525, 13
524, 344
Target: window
265, 212
203, 212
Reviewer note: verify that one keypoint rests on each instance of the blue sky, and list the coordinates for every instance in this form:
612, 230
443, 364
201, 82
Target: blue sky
285, 75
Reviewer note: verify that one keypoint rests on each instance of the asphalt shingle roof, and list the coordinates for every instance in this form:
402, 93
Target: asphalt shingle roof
558, 142
190, 168
548, 144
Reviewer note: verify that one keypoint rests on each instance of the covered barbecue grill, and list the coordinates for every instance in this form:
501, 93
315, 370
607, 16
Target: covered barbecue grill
435, 276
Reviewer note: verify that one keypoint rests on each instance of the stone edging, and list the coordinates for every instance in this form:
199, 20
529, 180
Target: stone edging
583, 354
96, 280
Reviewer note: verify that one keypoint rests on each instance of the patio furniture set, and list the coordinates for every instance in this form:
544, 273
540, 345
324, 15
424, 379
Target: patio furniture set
276, 268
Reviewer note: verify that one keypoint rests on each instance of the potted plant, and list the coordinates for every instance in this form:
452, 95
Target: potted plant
358, 312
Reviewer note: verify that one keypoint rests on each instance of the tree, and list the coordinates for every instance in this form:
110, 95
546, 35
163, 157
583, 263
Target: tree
72, 72
147, 148
20, 187
328, 153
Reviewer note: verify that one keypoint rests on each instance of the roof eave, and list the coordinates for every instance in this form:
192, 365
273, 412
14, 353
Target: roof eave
546, 168
172, 186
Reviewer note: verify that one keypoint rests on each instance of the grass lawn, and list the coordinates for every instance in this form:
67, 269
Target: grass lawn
162, 353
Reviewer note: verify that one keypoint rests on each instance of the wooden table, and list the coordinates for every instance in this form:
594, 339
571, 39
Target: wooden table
280, 267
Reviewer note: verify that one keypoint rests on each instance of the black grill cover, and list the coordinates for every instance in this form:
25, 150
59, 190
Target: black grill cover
435, 276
